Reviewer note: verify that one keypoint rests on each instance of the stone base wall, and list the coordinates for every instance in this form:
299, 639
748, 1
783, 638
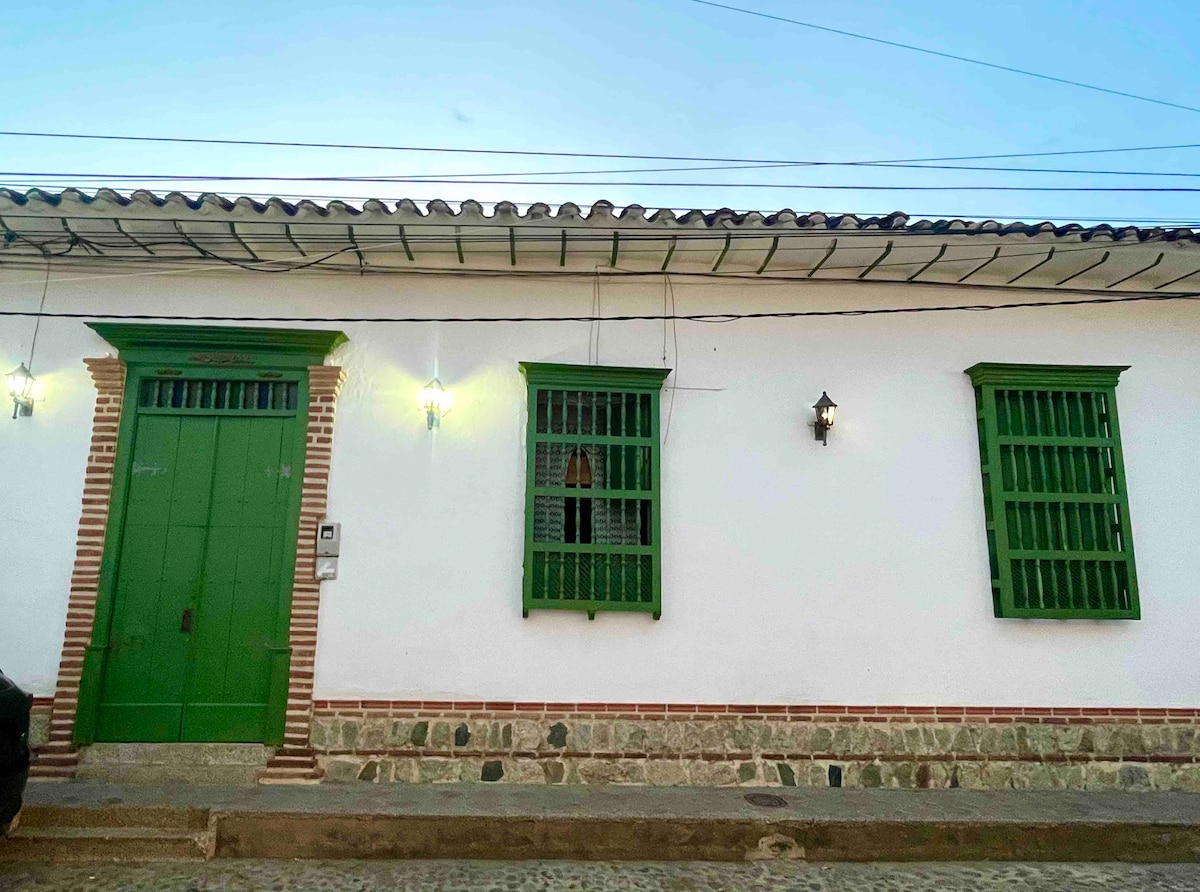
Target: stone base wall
710, 745
39, 722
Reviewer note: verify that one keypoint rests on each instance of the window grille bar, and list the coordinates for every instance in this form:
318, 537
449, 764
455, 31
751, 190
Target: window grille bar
593, 548
592, 439
600, 495
217, 396
1014, 495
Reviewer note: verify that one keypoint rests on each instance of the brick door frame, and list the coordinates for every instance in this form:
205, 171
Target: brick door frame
59, 758
295, 761
81, 659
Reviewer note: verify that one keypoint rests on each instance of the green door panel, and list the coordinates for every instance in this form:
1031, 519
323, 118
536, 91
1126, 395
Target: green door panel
159, 576
224, 723
138, 722
231, 671
207, 531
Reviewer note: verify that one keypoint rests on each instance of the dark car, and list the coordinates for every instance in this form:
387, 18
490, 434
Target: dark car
15, 705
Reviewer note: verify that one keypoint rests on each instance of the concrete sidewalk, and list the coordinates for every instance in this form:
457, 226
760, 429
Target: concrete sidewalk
626, 823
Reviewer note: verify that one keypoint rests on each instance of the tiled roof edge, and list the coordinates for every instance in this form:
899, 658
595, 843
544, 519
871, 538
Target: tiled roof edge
600, 214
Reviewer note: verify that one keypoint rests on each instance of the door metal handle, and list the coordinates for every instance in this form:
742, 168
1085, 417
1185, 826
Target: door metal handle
185, 624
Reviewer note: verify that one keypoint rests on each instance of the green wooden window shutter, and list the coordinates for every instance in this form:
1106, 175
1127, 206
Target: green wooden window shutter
592, 506
1055, 500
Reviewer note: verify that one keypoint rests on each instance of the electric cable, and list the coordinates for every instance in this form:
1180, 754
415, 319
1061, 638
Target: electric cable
223, 178
418, 177
550, 154
631, 317
929, 52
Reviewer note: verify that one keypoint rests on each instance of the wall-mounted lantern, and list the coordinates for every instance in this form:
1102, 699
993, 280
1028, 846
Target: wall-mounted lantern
21, 385
435, 400
826, 410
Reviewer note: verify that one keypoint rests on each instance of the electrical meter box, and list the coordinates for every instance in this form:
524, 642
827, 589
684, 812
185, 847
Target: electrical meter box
329, 539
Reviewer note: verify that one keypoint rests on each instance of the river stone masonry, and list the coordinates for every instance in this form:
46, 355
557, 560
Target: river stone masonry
755, 746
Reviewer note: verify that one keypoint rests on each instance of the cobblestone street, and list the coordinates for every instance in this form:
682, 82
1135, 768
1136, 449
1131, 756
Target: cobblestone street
519, 876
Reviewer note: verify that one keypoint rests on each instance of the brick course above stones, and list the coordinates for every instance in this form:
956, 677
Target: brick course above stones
758, 745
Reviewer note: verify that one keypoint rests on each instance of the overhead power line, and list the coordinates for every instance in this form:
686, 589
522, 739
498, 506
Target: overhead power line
881, 164
640, 317
480, 176
550, 154
226, 178
952, 56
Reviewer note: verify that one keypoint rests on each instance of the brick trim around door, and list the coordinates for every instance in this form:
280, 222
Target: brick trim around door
295, 761
59, 758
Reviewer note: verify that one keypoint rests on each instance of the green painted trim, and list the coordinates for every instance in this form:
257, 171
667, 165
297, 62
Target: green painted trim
1122, 488
656, 506
553, 374
1045, 377
530, 477
95, 658
1080, 613
581, 605
220, 345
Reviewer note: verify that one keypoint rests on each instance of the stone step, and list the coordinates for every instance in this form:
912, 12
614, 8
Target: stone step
159, 817
51, 772
56, 759
105, 844
56, 746
160, 775
290, 774
197, 764
189, 754
293, 759
289, 770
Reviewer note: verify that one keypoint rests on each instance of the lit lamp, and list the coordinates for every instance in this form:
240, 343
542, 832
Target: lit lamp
20, 387
825, 409
436, 400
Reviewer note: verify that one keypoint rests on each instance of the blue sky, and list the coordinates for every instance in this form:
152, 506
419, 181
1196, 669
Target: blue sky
664, 77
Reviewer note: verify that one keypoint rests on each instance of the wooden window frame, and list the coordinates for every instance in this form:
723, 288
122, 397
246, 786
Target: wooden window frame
613, 379
988, 378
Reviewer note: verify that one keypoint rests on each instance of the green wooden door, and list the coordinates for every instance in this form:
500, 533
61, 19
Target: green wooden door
200, 586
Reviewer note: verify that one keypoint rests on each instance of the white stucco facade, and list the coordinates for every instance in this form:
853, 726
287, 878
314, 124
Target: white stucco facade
792, 573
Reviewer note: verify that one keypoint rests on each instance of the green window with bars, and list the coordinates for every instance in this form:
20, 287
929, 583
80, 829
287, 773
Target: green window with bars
592, 504
1055, 500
